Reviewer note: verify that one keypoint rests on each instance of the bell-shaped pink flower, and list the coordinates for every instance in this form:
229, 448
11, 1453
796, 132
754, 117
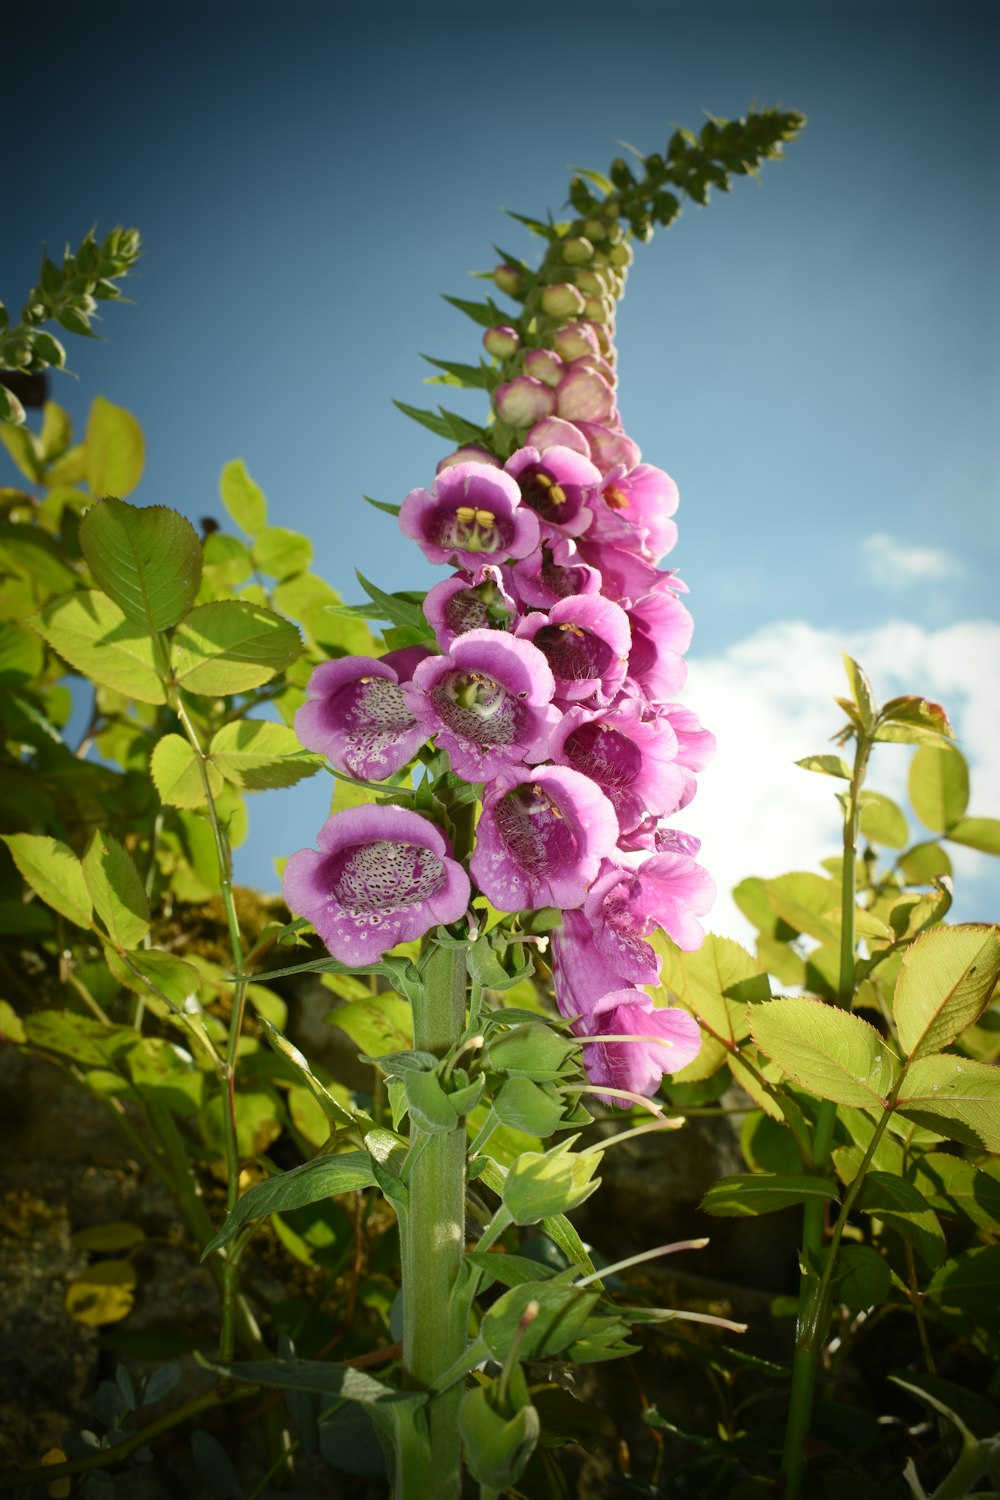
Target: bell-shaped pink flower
381, 876
473, 515
666, 1039
634, 512
661, 632
541, 838
557, 486
357, 717
555, 571
523, 400
488, 702
483, 600
630, 756
586, 642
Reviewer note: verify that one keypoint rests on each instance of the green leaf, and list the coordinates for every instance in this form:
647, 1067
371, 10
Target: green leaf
119, 1235
882, 821
54, 873
923, 862
281, 553
81, 1038
22, 656
429, 1106
939, 786
541, 1185
432, 420
981, 1417
970, 1282
150, 967
827, 765
377, 1026
861, 691
804, 900
148, 560
828, 1051
314, 1180
175, 770
92, 634
117, 891
319, 1376
256, 754
750, 1193
229, 646
954, 1096
900, 1205
472, 376
486, 314
243, 499
863, 1278
913, 721
977, 833
953, 1185
26, 451
716, 984
562, 1311
115, 451
945, 982
57, 431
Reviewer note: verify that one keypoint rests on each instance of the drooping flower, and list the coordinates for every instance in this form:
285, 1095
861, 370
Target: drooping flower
584, 395
634, 511
488, 702
630, 756
544, 365
381, 876
554, 432
523, 400
609, 446
356, 714
557, 486
666, 1039
661, 633
541, 837
473, 515
586, 642
482, 600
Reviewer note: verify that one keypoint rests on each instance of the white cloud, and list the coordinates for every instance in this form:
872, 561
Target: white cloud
895, 566
768, 699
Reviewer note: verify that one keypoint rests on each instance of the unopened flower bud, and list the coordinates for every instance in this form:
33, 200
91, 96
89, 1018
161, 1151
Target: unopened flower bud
523, 401
544, 365
593, 283
594, 229
577, 251
562, 301
502, 341
510, 280
600, 260
597, 310
575, 340
620, 255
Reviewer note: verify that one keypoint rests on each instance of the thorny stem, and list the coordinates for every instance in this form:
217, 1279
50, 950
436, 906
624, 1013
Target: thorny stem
814, 1294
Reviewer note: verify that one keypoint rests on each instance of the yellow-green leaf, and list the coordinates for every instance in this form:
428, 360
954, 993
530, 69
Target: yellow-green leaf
146, 558
54, 873
256, 754
939, 786
243, 499
955, 1097
90, 632
115, 451
830, 1052
944, 985
116, 890
229, 646
176, 771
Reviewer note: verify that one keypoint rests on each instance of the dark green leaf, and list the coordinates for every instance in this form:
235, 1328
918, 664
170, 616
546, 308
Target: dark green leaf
320, 1178
747, 1194
148, 560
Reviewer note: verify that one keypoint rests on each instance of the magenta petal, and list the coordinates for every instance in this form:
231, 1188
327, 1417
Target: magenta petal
638, 1065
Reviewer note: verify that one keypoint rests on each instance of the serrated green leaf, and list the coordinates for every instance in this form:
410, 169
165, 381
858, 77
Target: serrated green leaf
114, 450
952, 1185
281, 553
243, 499
255, 754
320, 1178
939, 786
22, 655
26, 451
803, 900
954, 1096
90, 632
54, 873
229, 646
861, 691
176, 772
149, 969
827, 765
977, 833
882, 821
944, 985
716, 984
116, 890
828, 1051
900, 1205
969, 1282
747, 1194
863, 1278
147, 559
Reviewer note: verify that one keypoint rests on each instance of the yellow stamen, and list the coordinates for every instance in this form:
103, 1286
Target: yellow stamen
615, 497
485, 518
573, 630
557, 495
465, 513
544, 480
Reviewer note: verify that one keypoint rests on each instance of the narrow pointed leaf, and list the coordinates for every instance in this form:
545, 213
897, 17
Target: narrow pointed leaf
116, 890
750, 1193
315, 1180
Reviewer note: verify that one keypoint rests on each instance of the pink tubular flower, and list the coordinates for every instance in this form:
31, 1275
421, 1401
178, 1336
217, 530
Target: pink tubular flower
634, 511
523, 400
666, 1040
586, 642
473, 515
630, 756
357, 717
382, 876
557, 486
554, 572
661, 632
541, 838
479, 601
695, 745
489, 702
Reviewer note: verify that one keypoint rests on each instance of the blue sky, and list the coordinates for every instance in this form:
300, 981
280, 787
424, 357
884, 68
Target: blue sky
814, 358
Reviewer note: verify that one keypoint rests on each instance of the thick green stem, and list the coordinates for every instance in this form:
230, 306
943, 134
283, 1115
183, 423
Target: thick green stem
811, 1296
432, 1233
